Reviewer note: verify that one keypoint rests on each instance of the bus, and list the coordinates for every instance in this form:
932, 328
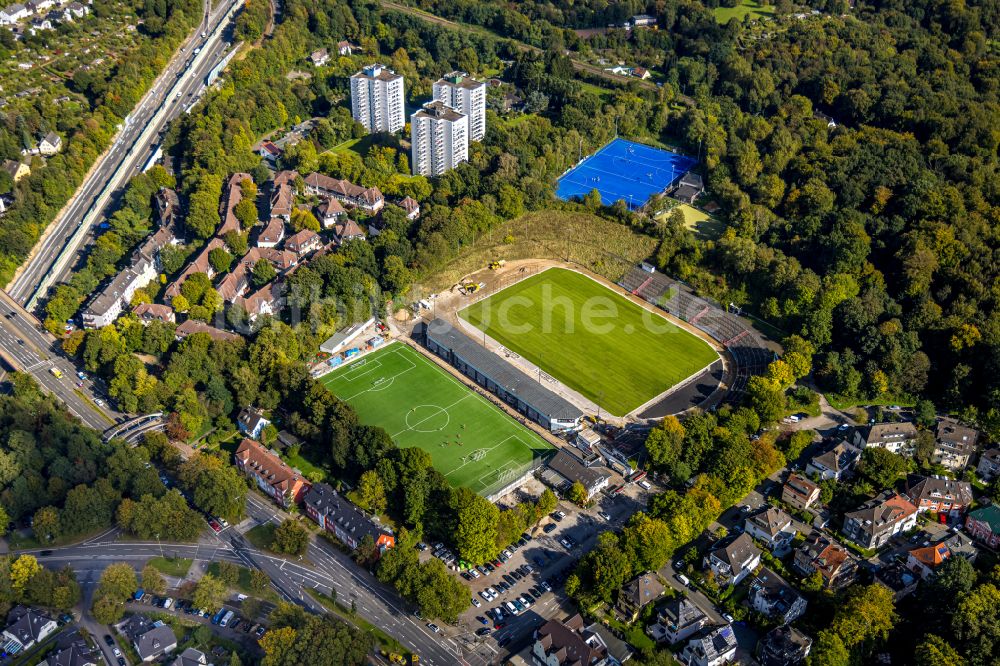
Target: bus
226, 619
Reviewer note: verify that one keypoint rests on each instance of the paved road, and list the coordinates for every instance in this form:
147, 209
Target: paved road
177, 87
26, 346
326, 568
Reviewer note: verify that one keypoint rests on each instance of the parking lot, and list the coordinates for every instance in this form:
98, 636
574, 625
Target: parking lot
524, 585
236, 627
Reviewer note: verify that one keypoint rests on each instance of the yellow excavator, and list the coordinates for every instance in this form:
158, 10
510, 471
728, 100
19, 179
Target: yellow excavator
498, 263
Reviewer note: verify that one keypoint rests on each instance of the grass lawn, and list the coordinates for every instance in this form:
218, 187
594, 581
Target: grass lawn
472, 442
701, 223
171, 566
243, 584
754, 8
261, 536
308, 469
385, 641
591, 338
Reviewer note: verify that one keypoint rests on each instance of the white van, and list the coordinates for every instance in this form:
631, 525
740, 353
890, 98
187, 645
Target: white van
645, 485
683, 579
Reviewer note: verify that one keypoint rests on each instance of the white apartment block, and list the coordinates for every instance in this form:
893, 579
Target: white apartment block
467, 96
377, 99
440, 139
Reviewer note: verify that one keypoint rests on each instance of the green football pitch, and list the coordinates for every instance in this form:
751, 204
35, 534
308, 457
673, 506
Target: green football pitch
590, 338
471, 441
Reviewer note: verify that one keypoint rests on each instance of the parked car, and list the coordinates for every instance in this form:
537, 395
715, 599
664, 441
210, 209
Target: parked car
433, 627
110, 642
550, 528
483, 631
260, 632
476, 602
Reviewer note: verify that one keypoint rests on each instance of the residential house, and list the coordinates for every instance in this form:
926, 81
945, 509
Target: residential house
167, 206
799, 491
36, 6
37, 25
834, 562
11, 14
75, 10
771, 526
319, 57
347, 230
251, 422
16, 170
643, 21
836, 464
771, 595
563, 644
733, 559
192, 326
878, 520
897, 437
411, 207
284, 484
925, 561
191, 657
269, 151
345, 48
571, 470
900, 580
147, 312
50, 144
678, 619
329, 212
989, 465
150, 639
343, 519
304, 242
367, 198
715, 647
983, 525
25, 628
604, 639
641, 73
272, 234
689, 188
636, 594
72, 650
954, 444
783, 646
938, 494
962, 545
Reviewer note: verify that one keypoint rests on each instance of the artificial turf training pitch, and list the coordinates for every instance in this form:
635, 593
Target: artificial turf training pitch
620, 362
471, 441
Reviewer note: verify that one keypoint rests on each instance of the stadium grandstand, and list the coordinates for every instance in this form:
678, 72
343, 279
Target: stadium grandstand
749, 353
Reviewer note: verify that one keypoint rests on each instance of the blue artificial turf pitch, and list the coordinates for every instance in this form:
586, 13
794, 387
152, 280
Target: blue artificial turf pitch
624, 170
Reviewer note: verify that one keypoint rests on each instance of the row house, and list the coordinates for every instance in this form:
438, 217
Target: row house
272, 475
149, 312
265, 301
227, 207
200, 264
272, 234
282, 196
329, 212
344, 520
369, 199
303, 242
880, 519
938, 494
237, 281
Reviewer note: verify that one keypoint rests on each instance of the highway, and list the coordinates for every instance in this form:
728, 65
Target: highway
26, 346
178, 86
324, 569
